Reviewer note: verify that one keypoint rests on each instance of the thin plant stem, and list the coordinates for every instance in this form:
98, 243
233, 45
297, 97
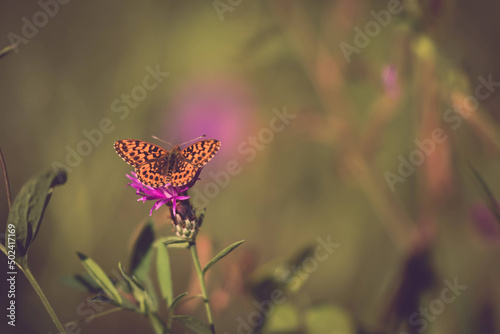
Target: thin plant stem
103, 313
196, 260
5, 179
27, 272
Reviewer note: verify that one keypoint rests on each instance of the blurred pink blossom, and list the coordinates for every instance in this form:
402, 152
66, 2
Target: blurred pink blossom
390, 81
485, 223
221, 108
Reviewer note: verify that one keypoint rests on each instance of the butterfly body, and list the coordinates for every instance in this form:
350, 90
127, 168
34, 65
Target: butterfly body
156, 166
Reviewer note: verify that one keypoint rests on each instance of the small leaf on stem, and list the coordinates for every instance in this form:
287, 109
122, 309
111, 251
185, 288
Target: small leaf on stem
137, 289
177, 300
219, 256
100, 278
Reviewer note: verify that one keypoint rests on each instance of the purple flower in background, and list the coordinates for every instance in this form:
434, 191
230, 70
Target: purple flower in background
390, 81
219, 107
485, 223
162, 195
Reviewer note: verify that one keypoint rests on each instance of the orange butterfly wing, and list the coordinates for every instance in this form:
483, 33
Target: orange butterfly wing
148, 160
137, 152
151, 174
200, 153
156, 166
184, 174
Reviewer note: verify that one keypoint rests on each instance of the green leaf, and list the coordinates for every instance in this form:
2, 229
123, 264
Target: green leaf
100, 277
82, 282
29, 206
142, 257
177, 300
102, 299
141, 248
8, 49
140, 294
219, 256
164, 273
193, 324
138, 291
157, 324
172, 241
142, 275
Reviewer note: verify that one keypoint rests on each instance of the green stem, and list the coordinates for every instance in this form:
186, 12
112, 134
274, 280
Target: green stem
93, 316
27, 272
22, 264
5, 179
194, 253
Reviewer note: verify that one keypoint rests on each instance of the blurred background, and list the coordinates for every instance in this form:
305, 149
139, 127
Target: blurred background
352, 123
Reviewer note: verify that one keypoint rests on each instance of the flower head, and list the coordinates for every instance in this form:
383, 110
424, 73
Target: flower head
162, 195
186, 224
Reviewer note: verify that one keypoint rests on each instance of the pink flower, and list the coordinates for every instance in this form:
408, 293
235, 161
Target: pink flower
485, 222
162, 195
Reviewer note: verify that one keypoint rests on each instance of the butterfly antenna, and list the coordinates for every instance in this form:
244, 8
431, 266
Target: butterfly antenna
193, 140
166, 142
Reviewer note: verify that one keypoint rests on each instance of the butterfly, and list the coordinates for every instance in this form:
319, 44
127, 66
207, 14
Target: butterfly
156, 166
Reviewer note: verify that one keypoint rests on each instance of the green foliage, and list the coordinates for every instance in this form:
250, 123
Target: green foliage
139, 261
137, 290
177, 300
145, 304
29, 206
157, 324
100, 277
102, 299
164, 274
221, 254
142, 257
139, 299
82, 282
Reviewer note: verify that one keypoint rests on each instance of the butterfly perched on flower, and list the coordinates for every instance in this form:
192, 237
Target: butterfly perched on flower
156, 166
